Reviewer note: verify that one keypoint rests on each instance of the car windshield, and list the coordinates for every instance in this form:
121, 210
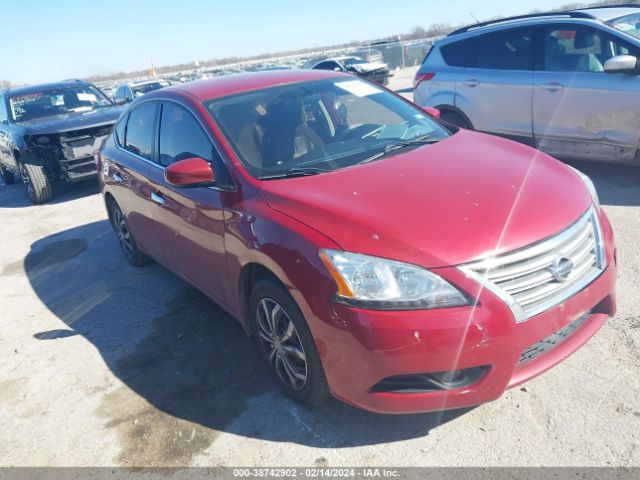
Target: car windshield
82, 98
140, 90
319, 126
628, 24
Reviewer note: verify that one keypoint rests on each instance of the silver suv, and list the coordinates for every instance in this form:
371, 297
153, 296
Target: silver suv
567, 83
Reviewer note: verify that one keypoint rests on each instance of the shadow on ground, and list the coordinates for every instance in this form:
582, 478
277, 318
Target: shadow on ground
616, 184
15, 196
182, 354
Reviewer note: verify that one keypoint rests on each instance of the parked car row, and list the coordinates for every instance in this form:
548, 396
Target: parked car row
566, 83
374, 252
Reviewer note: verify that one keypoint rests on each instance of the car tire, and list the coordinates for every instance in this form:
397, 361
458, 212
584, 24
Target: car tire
285, 340
132, 252
35, 179
456, 120
7, 177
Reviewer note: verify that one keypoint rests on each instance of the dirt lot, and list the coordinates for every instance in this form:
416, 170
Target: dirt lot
105, 364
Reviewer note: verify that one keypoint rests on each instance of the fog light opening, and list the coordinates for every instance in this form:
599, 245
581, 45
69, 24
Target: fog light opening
431, 382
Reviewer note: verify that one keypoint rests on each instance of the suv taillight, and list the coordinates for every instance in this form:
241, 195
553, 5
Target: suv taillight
422, 77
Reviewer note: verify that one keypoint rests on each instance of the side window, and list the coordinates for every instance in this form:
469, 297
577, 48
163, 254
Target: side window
3, 109
181, 136
509, 50
459, 54
579, 49
140, 130
120, 130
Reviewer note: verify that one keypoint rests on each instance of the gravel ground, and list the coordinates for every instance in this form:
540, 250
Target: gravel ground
104, 364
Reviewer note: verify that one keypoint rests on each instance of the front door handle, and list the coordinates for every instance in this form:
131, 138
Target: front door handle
158, 198
552, 87
472, 82
116, 177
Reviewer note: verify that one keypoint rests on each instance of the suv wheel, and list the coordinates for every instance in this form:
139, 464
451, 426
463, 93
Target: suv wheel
287, 344
34, 177
128, 244
456, 119
7, 177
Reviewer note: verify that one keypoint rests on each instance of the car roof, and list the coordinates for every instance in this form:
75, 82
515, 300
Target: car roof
43, 86
579, 16
146, 82
243, 82
606, 14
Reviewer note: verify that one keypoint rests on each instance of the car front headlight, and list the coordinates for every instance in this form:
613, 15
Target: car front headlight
381, 284
589, 184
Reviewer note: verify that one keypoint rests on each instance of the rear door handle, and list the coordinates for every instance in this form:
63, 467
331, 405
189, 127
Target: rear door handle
116, 177
472, 82
158, 198
552, 87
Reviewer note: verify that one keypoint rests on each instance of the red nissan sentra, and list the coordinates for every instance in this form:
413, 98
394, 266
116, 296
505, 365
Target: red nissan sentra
373, 252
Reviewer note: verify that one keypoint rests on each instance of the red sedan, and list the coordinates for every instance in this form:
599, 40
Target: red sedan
374, 253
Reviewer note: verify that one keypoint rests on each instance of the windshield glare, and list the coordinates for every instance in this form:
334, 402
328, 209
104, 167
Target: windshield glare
82, 98
326, 124
628, 24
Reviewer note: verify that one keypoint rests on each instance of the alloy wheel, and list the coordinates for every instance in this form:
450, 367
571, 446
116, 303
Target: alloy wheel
280, 338
122, 232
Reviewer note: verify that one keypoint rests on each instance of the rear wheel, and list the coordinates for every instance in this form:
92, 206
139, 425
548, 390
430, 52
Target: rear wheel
7, 177
34, 178
285, 340
128, 244
456, 119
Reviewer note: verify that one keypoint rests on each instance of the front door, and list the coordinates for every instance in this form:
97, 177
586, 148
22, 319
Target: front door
190, 219
579, 111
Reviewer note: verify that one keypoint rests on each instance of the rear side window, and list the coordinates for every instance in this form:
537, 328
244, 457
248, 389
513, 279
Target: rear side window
508, 50
140, 130
459, 54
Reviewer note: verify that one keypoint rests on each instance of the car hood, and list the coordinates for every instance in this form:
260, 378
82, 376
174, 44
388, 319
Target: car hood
72, 121
369, 67
466, 197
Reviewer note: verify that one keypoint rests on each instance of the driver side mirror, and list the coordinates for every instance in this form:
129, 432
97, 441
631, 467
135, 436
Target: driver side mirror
191, 172
621, 64
432, 111
120, 100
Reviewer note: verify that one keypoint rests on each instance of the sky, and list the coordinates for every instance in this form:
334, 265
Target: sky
48, 40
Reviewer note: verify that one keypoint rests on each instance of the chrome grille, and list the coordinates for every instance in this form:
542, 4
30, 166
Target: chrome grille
529, 280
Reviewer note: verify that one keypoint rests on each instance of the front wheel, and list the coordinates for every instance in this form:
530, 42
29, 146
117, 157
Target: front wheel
286, 342
35, 180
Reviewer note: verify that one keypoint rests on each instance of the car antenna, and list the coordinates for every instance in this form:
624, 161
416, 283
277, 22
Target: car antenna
474, 17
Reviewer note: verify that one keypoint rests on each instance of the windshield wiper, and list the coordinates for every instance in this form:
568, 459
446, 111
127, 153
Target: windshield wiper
423, 140
297, 172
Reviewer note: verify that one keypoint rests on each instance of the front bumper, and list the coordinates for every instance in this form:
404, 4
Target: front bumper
360, 348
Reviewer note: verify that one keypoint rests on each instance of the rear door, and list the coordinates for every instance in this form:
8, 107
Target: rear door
126, 169
578, 109
190, 220
495, 91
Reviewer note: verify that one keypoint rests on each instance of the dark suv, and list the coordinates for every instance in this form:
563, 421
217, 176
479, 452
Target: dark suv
49, 132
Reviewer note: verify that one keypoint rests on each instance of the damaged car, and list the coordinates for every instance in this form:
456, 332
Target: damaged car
376, 72
49, 132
